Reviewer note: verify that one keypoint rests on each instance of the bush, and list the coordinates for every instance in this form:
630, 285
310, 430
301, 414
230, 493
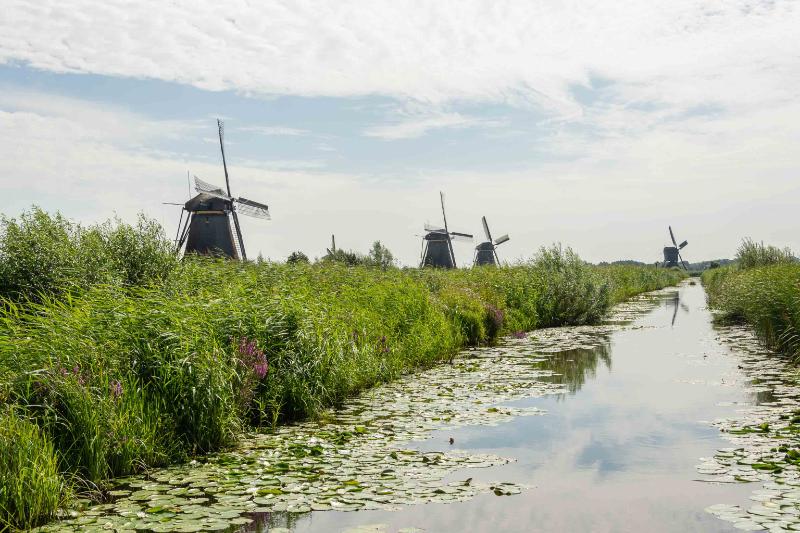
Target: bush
38, 254
297, 257
42, 255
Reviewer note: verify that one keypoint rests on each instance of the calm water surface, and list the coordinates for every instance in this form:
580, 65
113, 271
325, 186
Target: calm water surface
616, 453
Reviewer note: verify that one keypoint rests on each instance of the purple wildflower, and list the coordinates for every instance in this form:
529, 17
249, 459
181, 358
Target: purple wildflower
75, 372
252, 357
260, 368
519, 334
383, 347
497, 315
116, 390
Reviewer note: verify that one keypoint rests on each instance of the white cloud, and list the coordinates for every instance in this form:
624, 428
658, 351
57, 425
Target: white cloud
682, 52
275, 130
418, 125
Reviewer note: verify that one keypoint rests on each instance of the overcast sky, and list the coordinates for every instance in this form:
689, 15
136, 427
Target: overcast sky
593, 124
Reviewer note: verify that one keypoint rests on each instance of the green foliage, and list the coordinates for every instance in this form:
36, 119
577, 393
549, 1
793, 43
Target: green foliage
753, 254
344, 257
766, 297
38, 254
31, 487
159, 365
42, 254
296, 257
380, 256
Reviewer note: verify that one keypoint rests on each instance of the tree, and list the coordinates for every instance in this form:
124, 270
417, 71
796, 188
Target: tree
379, 255
297, 257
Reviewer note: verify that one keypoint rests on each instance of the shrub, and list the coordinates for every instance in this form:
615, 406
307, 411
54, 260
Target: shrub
297, 257
42, 254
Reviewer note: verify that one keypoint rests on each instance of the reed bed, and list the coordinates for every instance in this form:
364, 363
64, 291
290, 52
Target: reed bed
765, 296
114, 375
762, 288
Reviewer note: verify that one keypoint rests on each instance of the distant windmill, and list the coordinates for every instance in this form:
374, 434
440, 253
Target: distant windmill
332, 249
207, 229
437, 244
486, 252
672, 254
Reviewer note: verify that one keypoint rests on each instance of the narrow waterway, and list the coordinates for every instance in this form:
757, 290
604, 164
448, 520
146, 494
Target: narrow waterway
604, 428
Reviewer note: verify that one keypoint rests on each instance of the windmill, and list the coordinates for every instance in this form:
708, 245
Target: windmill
207, 229
486, 252
672, 254
332, 249
437, 244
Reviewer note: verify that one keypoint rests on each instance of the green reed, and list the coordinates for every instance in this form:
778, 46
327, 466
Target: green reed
766, 297
31, 487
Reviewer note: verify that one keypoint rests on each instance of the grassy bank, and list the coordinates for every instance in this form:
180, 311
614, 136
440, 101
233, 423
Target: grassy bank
761, 289
111, 377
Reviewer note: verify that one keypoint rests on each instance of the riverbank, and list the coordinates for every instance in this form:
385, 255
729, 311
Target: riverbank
115, 380
765, 297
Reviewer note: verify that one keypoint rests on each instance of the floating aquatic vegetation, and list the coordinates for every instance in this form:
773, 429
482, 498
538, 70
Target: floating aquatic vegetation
765, 440
357, 457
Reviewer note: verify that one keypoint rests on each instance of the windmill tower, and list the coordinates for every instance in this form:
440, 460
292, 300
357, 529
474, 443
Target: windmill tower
672, 254
207, 228
486, 252
437, 244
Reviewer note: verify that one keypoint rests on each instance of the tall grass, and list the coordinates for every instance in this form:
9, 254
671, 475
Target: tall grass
120, 374
753, 254
31, 487
762, 289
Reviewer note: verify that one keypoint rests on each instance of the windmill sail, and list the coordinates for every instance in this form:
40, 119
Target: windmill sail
431, 227
252, 208
208, 188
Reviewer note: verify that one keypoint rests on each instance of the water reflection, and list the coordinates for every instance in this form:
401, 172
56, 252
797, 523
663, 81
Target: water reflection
573, 368
674, 302
275, 522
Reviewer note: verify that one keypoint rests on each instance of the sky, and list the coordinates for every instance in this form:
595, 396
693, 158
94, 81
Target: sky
591, 124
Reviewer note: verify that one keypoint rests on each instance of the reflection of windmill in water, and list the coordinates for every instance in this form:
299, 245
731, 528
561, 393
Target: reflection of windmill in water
207, 229
486, 252
437, 244
675, 301
672, 254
